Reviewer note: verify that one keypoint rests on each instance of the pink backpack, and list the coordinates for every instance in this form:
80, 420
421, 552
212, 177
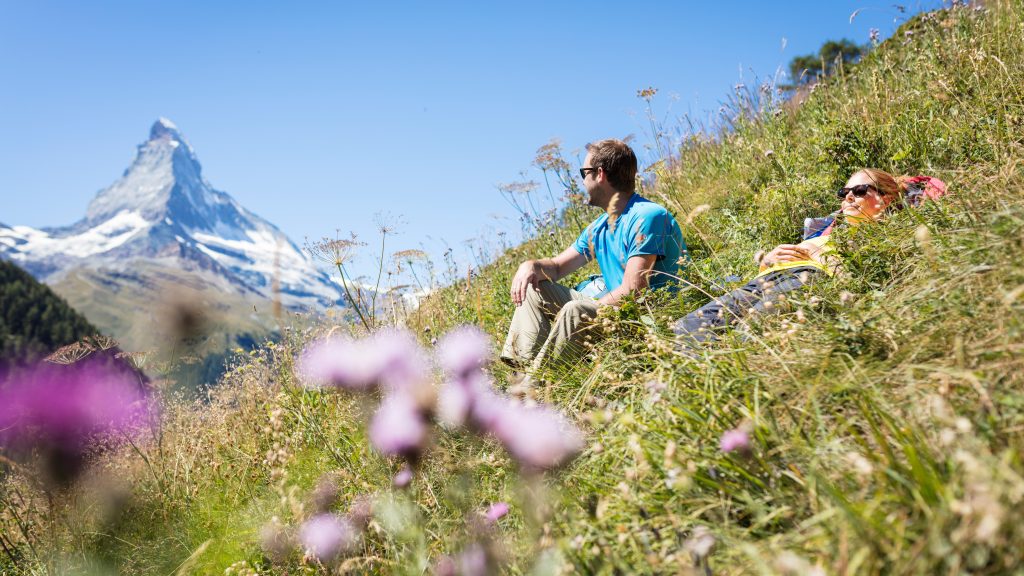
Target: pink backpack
921, 188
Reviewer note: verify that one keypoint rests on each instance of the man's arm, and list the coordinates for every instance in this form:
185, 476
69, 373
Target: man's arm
532, 272
635, 277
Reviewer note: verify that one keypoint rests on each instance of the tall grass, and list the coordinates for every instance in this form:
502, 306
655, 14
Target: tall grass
885, 413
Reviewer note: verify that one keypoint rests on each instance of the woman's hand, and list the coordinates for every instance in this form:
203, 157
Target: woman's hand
785, 253
526, 275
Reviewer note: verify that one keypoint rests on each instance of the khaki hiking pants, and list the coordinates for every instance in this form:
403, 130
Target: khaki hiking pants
550, 327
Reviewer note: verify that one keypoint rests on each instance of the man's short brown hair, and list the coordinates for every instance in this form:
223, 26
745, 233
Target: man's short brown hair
618, 161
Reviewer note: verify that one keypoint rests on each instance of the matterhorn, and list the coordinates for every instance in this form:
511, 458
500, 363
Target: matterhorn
161, 229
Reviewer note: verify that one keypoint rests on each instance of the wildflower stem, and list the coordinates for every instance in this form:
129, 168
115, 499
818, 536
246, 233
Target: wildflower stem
654, 131
348, 294
415, 277
380, 270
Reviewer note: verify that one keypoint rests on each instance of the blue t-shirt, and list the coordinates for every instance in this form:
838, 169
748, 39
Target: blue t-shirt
643, 228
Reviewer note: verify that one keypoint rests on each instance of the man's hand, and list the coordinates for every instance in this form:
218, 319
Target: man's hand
533, 272
528, 274
785, 253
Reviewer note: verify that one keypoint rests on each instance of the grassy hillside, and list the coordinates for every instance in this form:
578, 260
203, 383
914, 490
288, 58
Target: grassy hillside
140, 308
885, 412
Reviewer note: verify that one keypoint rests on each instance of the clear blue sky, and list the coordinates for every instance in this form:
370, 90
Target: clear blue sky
318, 115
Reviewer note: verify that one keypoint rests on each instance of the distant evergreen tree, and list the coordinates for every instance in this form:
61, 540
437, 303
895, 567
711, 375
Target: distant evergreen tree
34, 321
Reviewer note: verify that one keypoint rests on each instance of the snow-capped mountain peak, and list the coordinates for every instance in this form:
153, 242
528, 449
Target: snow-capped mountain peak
162, 207
164, 128
165, 166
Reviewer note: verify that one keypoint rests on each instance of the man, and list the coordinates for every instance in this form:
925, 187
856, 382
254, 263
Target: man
636, 243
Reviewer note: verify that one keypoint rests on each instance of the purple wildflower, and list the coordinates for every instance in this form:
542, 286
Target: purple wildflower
454, 403
445, 566
389, 358
488, 405
538, 438
736, 440
63, 410
399, 360
325, 537
472, 398
463, 350
475, 561
399, 427
495, 512
338, 361
403, 478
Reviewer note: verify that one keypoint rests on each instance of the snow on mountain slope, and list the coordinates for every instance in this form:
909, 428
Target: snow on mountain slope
162, 207
103, 237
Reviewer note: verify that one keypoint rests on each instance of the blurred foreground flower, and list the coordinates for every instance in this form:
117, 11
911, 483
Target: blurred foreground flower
326, 536
539, 438
699, 546
399, 428
475, 560
496, 512
403, 478
62, 412
390, 358
337, 361
736, 440
463, 350
468, 400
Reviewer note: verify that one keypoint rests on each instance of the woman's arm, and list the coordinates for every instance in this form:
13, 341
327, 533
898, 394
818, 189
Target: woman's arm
786, 253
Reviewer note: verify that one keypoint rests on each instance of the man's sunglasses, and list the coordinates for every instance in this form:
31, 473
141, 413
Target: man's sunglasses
860, 190
583, 171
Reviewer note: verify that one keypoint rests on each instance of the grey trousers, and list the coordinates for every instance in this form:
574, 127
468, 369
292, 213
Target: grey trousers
549, 328
760, 295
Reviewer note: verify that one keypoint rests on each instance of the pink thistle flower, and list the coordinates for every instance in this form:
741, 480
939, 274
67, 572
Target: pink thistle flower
445, 566
399, 361
326, 536
389, 358
475, 561
463, 350
488, 407
538, 438
338, 361
62, 411
454, 403
403, 478
495, 512
736, 440
399, 428
469, 398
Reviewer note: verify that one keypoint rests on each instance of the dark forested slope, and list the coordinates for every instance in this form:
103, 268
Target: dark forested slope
34, 321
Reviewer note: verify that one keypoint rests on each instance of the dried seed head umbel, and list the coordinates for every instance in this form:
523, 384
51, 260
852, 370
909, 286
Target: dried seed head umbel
334, 252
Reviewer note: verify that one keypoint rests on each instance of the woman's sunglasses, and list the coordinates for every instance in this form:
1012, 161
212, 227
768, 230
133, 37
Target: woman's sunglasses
860, 190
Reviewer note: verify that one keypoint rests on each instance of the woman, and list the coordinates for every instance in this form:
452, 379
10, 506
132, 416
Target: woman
865, 198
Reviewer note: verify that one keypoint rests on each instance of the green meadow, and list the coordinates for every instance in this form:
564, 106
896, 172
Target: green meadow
885, 408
